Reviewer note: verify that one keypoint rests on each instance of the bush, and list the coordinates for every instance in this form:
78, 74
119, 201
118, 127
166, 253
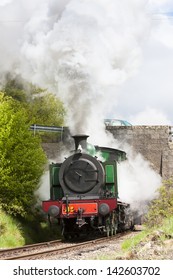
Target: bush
162, 207
22, 158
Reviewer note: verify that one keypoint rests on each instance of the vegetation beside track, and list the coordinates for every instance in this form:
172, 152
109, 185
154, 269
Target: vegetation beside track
15, 232
23, 160
159, 219
156, 240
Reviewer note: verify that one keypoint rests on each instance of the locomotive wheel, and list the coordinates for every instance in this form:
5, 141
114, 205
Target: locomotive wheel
113, 229
111, 224
114, 224
108, 226
107, 231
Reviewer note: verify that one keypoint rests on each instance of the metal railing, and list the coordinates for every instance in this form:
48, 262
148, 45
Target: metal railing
46, 128
37, 127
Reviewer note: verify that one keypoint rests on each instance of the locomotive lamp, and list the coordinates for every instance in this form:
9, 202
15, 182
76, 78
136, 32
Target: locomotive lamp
53, 211
104, 209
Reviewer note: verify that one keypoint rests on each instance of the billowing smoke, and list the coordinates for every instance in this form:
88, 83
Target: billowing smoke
138, 182
82, 50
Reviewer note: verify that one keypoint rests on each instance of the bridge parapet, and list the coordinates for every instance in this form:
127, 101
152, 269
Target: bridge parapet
155, 143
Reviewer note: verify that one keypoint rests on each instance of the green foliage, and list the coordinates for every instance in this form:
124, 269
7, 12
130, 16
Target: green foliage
22, 158
167, 227
15, 90
15, 231
159, 219
46, 109
10, 231
43, 108
130, 243
162, 207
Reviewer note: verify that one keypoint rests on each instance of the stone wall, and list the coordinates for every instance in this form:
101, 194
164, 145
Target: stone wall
153, 142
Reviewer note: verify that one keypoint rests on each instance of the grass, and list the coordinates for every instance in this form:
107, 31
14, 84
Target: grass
15, 232
129, 244
10, 232
165, 232
167, 228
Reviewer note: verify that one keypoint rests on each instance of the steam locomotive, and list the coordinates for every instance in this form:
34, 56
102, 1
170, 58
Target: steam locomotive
84, 192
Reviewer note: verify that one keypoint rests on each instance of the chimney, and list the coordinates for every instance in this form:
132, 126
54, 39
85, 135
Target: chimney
80, 139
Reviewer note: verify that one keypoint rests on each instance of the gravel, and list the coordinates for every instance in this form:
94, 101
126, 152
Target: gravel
154, 247
110, 249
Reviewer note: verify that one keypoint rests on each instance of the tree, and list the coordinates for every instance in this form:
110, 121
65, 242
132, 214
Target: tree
21, 158
15, 89
47, 109
44, 108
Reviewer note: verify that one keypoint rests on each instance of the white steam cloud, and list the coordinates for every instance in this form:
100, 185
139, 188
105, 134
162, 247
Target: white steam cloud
80, 50
138, 182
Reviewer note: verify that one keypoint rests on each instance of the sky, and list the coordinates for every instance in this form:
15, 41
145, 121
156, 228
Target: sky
104, 59
147, 97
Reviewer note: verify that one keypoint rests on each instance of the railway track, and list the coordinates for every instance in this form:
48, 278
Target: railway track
47, 249
6, 254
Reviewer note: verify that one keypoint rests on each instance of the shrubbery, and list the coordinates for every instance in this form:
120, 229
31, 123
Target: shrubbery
21, 158
162, 207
